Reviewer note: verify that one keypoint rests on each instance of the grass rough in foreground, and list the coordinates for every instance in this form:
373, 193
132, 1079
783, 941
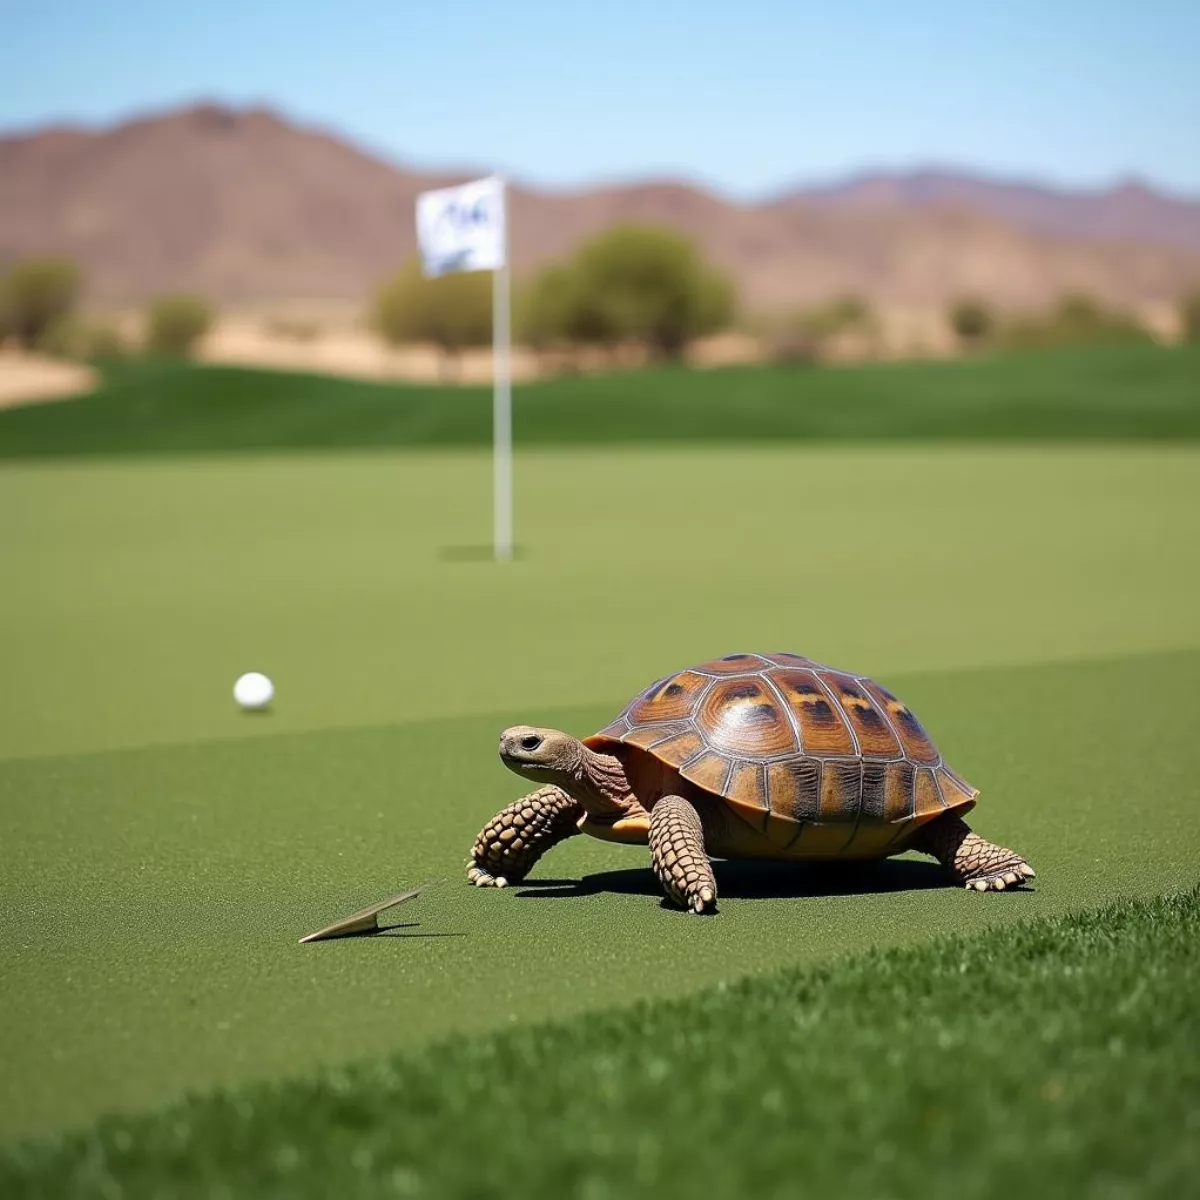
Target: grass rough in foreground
1056, 1057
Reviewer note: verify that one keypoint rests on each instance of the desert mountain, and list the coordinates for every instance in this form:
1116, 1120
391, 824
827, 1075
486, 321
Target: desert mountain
1130, 211
243, 205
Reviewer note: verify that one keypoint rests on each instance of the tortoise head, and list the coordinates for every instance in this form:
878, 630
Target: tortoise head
597, 781
547, 755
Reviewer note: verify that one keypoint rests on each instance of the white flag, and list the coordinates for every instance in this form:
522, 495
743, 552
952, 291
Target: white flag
462, 228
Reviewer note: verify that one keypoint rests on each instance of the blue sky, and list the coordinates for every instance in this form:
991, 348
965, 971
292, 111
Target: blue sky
746, 97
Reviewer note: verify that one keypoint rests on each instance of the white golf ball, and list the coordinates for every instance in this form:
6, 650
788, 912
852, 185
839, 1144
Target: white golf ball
253, 690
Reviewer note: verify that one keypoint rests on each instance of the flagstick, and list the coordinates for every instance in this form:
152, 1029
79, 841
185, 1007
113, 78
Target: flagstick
502, 407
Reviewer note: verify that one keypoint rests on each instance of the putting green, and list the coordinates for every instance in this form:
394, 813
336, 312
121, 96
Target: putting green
163, 854
134, 594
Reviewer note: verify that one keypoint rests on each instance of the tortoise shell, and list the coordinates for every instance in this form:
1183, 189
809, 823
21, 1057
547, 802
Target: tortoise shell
821, 762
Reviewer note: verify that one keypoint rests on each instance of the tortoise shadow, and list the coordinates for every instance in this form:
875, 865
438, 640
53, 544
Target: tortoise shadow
763, 880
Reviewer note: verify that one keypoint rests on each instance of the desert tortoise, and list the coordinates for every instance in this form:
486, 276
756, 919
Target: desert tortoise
768, 756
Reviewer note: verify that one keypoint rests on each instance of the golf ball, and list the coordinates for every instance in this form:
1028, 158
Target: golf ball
253, 690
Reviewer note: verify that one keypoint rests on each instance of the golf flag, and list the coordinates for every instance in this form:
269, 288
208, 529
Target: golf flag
462, 228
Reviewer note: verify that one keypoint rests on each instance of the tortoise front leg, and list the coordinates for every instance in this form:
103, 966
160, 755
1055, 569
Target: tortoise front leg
678, 854
517, 836
971, 860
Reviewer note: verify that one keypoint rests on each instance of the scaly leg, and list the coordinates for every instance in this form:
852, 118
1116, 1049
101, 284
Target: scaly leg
970, 859
517, 836
677, 852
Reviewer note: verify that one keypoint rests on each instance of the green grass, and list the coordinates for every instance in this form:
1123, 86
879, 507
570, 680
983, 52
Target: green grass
134, 593
1092, 394
162, 852
1053, 1057
152, 899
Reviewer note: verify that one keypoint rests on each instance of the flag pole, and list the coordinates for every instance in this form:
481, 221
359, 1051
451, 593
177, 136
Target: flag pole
502, 398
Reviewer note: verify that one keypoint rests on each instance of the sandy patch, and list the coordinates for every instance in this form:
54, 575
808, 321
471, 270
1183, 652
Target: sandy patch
32, 379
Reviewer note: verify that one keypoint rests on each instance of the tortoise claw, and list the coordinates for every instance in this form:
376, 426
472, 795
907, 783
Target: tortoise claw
481, 878
1011, 878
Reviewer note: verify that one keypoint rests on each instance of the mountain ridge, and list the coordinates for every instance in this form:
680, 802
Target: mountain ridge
245, 204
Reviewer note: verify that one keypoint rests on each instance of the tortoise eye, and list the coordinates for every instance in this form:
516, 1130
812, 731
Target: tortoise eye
531, 741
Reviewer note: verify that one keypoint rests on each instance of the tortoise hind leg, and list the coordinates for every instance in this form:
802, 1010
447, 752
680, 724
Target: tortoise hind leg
517, 836
971, 860
678, 854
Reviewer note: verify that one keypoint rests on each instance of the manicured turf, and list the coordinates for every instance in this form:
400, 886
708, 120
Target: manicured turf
163, 853
157, 895
1133, 392
1056, 1057
134, 594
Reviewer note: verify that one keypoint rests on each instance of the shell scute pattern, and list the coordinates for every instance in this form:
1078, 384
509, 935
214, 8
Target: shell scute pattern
746, 717
916, 742
822, 729
793, 743
669, 699
864, 715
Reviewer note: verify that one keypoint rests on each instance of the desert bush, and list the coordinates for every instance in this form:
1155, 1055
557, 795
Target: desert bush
789, 338
451, 311
1076, 319
176, 322
972, 320
73, 338
843, 314
646, 284
544, 308
36, 292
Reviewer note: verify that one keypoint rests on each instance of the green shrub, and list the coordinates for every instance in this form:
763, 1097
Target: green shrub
1076, 320
650, 285
34, 294
106, 342
451, 311
790, 338
77, 340
544, 308
972, 320
844, 314
176, 322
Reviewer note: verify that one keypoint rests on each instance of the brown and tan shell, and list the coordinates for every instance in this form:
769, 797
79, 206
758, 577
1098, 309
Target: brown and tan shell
821, 762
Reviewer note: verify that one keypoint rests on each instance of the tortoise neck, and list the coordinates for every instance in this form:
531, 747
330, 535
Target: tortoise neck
599, 783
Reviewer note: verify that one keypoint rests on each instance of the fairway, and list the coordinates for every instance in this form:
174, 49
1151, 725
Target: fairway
165, 852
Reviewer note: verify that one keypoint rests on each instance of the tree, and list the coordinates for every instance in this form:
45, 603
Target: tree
971, 320
647, 284
176, 322
35, 293
451, 311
